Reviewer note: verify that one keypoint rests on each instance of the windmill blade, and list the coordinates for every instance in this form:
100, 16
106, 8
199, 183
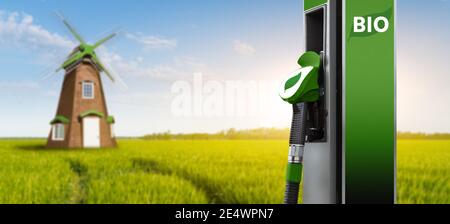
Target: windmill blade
122, 85
117, 30
100, 42
59, 69
49, 71
48, 74
108, 74
115, 78
97, 61
71, 29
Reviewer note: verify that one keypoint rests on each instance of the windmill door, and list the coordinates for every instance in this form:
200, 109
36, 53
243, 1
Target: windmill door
91, 132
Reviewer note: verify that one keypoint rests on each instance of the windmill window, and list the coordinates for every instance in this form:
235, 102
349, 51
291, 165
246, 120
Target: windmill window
88, 90
58, 132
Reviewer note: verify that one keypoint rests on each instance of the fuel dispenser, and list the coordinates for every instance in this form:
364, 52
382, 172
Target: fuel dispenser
343, 129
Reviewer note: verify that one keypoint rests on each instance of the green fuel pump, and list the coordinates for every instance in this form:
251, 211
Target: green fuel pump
343, 97
299, 89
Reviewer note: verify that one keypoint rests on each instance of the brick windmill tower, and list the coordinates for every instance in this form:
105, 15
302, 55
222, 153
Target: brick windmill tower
82, 119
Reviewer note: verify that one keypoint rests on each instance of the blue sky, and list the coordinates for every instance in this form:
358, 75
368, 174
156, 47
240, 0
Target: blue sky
162, 42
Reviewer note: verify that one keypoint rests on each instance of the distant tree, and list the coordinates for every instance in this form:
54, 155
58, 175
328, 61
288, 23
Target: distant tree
434, 136
267, 133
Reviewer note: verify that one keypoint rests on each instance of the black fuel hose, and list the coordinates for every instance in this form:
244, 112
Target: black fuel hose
295, 158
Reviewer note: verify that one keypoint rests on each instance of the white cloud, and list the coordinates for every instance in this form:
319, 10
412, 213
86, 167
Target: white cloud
134, 98
52, 93
152, 42
18, 85
243, 48
18, 29
179, 68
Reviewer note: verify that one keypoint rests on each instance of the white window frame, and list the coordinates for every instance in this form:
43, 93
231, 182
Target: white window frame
58, 136
88, 83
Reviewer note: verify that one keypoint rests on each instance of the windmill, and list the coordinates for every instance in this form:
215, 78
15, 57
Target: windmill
82, 119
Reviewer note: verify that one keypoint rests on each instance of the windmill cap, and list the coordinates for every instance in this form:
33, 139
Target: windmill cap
309, 58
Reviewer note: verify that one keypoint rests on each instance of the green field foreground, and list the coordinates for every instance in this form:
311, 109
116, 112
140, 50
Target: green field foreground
197, 171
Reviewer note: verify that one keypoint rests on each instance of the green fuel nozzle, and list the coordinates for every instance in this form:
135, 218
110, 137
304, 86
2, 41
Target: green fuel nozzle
302, 85
299, 89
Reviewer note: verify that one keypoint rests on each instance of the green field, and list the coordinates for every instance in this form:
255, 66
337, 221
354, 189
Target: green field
198, 171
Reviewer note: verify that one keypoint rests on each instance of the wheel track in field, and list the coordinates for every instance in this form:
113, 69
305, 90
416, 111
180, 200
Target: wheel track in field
81, 180
212, 193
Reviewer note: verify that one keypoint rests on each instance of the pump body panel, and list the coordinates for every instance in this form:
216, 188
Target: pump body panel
354, 160
369, 102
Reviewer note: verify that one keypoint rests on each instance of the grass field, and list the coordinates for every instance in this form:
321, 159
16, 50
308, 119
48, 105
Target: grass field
198, 171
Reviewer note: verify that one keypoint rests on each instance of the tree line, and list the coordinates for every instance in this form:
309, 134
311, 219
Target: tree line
268, 134
230, 134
